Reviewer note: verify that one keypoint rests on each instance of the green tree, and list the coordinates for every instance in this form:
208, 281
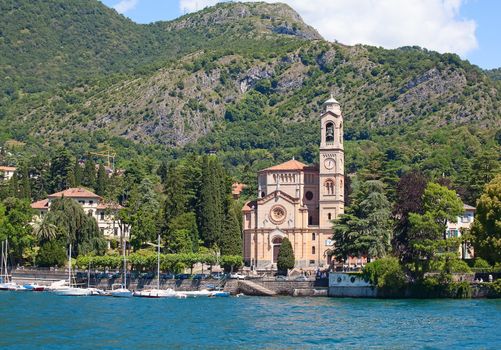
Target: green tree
211, 212
366, 228
15, 218
77, 173
44, 230
51, 253
61, 171
184, 225
101, 181
285, 260
231, 239
89, 173
76, 227
486, 228
175, 197
427, 237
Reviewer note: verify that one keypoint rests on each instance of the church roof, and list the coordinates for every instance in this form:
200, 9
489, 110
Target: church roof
75, 193
288, 165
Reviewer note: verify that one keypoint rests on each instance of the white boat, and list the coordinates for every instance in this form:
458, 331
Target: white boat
205, 293
66, 288
157, 293
73, 291
120, 290
5, 281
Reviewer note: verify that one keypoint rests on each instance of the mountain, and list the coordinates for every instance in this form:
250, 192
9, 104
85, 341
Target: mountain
244, 79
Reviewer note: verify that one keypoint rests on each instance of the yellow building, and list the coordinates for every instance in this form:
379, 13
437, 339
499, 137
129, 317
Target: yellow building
299, 201
106, 214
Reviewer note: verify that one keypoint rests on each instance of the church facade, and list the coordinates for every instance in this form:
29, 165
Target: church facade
299, 201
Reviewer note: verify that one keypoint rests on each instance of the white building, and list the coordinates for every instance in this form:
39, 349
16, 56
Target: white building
106, 214
6, 172
457, 228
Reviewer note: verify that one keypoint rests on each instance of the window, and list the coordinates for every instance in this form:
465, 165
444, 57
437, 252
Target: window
329, 187
313, 236
91, 202
309, 195
90, 212
312, 262
81, 202
101, 215
329, 216
263, 194
310, 220
313, 250
329, 132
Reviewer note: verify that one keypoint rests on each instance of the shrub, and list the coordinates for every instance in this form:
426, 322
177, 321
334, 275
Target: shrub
481, 264
386, 274
458, 266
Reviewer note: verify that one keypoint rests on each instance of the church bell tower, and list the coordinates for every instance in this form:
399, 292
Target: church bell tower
331, 167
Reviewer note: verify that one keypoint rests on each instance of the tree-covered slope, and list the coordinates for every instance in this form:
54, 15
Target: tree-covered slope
246, 80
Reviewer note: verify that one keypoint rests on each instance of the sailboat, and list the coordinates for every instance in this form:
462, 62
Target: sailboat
120, 290
157, 293
5, 281
69, 289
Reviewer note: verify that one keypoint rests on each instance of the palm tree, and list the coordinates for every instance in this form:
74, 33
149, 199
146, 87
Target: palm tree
44, 230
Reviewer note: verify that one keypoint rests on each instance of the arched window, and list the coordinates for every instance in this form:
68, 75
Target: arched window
263, 194
329, 216
313, 250
277, 240
329, 132
313, 236
329, 187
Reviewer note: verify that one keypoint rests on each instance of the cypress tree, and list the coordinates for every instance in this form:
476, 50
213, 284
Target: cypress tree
102, 180
89, 173
77, 173
285, 260
25, 187
60, 171
231, 239
175, 199
211, 206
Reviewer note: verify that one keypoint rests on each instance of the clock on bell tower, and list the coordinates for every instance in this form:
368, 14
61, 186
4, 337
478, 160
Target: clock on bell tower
331, 191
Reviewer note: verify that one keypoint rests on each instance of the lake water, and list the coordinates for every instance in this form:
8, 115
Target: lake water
42, 320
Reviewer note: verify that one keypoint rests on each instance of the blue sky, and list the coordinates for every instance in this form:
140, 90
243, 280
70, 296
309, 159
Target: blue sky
470, 28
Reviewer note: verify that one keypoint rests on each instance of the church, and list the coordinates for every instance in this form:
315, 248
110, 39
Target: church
299, 201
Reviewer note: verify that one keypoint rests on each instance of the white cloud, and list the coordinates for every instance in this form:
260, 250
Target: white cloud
433, 24
125, 5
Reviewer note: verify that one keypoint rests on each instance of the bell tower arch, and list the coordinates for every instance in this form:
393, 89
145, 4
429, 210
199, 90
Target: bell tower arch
331, 167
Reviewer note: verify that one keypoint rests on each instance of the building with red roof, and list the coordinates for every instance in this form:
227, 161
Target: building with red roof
106, 214
300, 202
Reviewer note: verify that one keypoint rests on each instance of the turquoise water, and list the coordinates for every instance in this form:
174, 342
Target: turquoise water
42, 320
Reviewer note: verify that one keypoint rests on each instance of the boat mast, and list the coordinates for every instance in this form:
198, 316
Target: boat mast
69, 268
1, 266
125, 266
158, 263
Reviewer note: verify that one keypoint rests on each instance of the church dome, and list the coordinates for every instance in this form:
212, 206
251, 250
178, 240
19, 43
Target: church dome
331, 100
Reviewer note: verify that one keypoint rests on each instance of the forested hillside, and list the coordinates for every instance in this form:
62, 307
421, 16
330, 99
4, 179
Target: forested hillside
245, 81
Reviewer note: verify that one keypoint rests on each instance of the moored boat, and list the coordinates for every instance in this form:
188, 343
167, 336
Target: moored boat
118, 291
156, 293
